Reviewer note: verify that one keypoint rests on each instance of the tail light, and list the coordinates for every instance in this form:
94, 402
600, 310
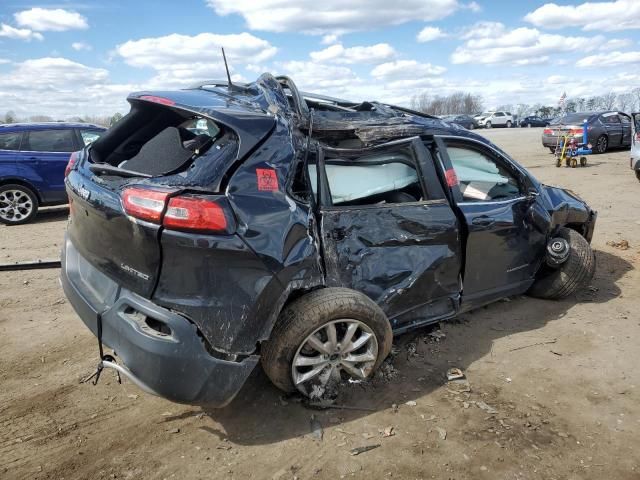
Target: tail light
70, 164
182, 212
548, 131
576, 131
145, 203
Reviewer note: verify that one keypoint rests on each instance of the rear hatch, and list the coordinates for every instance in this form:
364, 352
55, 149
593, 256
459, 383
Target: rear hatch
154, 169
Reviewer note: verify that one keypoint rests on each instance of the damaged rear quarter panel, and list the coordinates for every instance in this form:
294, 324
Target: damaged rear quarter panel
235, 285
401, 256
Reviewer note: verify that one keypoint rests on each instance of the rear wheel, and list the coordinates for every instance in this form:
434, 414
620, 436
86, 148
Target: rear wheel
576, 271
528, 125
471, 126
583, 161
326, 337
602, 143
552, 149
508, 123
18, 204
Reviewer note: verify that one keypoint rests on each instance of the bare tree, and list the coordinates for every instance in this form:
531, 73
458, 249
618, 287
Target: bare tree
608, 101
453, 104
625, 102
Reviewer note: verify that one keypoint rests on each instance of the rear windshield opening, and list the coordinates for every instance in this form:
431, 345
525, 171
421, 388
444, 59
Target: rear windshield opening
156, 140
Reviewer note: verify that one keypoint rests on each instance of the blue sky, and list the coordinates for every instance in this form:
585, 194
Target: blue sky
70, 58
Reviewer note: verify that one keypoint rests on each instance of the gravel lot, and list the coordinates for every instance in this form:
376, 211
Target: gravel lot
555, 393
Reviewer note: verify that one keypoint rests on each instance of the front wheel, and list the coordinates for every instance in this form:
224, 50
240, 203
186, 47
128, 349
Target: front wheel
509, 124
528, 125
487, 125
471, 126
324, 338
18, 204
574, 273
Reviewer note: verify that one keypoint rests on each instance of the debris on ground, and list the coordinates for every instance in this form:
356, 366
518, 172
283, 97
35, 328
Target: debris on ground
620, 245
457, 382
174, 430
388, 432
366, 448
483, 406
454, 374
411, 403
387, 371
316, 428
441, 432
437, 335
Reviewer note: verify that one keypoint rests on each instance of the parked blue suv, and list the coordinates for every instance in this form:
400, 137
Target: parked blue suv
33, 158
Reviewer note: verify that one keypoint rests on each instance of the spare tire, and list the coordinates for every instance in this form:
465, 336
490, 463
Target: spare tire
576, 272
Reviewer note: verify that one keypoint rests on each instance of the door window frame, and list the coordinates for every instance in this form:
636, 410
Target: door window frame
421, 161
525, 182
25, 140
20, 142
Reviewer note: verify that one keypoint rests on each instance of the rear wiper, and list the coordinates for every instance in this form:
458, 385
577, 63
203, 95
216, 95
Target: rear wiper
105, 168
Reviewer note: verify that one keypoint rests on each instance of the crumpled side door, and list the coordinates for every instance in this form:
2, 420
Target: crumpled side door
405, 255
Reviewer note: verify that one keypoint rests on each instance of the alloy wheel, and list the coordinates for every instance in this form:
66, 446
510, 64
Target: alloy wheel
345, 346
15, 205
601, 144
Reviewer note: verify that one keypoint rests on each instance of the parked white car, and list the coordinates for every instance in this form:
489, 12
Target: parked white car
495, 119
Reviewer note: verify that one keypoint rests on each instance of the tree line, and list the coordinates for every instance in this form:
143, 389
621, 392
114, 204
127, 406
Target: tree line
103, 120
467, 103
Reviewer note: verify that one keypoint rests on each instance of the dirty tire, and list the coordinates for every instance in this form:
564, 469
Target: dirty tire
306, 314
575, 273
28, 204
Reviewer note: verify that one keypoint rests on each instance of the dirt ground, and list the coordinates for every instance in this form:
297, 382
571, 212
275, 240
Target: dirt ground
555, 389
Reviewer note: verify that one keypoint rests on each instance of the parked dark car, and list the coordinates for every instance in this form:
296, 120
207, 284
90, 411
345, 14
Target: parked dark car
33, 158
300, 232
466, 121
534, 121
605, 130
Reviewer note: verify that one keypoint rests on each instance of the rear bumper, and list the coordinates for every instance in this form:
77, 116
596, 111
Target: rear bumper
162, 350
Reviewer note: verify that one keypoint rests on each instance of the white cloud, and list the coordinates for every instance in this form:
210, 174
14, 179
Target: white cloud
361, 54
182, 59
616, 43
320, 78
474, 7
61, 88
428, 34
606, 16
406, 69
79, 46
54, 20
332, 16
609, 59
493, 43
19, 33
329, 39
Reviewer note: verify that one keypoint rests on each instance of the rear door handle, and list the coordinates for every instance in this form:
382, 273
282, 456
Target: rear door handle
483, 221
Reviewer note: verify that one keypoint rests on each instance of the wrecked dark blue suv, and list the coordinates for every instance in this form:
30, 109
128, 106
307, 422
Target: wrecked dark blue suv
219, 226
